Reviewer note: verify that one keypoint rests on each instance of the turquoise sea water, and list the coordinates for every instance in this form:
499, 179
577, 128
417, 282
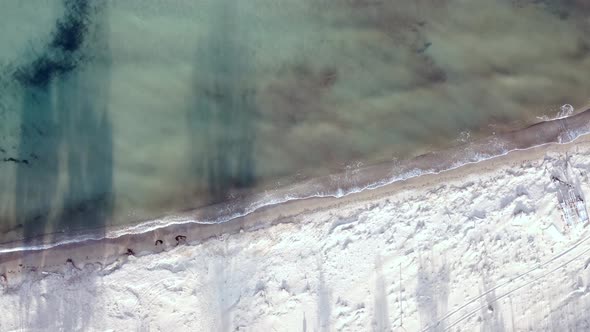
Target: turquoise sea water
113, 112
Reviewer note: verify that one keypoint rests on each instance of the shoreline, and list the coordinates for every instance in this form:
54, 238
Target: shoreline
112, 248
472, 247
560, 130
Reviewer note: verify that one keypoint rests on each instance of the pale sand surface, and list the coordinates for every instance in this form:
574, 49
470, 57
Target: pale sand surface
483, 246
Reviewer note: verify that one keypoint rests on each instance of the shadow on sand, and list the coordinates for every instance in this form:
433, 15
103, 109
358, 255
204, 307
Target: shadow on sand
432, 293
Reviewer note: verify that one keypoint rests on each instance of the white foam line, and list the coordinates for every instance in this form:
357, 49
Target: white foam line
156, 224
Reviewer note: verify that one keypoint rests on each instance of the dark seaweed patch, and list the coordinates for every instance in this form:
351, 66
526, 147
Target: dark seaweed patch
17, 161
70, 32
62, 53
40, 72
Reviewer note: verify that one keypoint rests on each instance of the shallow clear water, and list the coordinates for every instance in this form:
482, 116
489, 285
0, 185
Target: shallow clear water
116, 112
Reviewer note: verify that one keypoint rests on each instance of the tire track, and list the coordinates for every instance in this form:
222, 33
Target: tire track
462, 318
510, 281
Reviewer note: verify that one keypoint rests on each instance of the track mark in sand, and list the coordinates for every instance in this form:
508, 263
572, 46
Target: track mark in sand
462, 318
511, 280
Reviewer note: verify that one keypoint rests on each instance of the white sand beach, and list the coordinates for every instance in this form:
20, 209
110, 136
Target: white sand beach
482, 247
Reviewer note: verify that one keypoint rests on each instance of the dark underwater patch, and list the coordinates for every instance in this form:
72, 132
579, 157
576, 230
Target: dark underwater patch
71, 31
42, 70
62, 55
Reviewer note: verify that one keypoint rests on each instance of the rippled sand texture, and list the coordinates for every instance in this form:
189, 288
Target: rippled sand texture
114, 112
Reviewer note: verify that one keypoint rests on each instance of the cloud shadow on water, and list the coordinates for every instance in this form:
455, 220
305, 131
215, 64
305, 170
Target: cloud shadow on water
221, 118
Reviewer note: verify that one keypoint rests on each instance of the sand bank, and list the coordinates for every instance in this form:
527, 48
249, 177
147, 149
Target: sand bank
480, 246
